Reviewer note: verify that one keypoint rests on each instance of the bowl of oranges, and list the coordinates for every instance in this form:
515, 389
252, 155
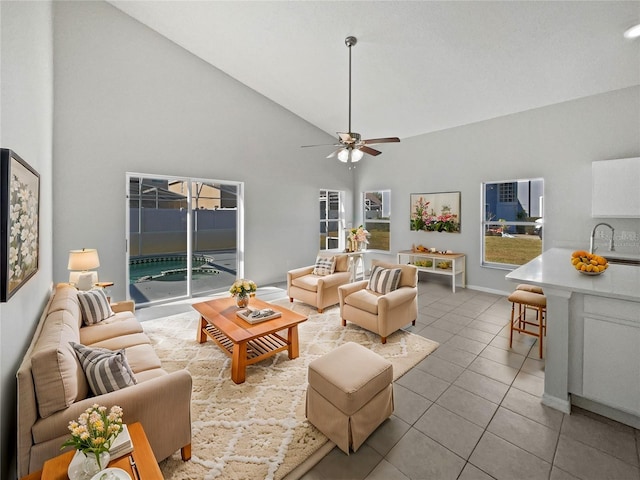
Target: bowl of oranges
588, 263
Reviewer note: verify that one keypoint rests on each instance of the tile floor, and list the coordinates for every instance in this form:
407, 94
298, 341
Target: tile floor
471, 409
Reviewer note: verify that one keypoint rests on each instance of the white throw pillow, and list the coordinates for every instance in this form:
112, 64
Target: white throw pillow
324, 266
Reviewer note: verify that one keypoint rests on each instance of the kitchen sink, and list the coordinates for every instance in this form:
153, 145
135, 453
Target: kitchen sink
624, 261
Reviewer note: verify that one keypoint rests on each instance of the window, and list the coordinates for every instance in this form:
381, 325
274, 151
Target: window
512, 222
377, 218
331, 219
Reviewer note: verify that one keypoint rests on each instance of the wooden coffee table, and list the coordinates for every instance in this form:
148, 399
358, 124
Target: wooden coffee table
245, 343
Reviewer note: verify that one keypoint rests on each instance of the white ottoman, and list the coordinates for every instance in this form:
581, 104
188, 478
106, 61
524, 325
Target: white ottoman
350, 394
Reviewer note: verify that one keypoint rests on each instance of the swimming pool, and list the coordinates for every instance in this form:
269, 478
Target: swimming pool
169, 267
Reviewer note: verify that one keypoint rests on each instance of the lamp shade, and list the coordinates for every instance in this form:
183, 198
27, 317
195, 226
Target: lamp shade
85, 259
343, 155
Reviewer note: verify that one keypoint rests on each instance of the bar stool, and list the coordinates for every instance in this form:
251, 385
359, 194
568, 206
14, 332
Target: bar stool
529, 288
528, 299
534, 289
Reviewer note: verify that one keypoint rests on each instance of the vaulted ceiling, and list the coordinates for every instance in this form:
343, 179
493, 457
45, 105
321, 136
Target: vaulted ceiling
418, 66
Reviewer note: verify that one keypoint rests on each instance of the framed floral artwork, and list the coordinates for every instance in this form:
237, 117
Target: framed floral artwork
435, 212
19, 218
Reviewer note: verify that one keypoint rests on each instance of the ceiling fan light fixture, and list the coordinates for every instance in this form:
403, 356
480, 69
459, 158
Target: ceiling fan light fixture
343, 155
633, 32
356, 155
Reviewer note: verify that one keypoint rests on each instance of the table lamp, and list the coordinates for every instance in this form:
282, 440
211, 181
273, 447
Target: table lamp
80, 262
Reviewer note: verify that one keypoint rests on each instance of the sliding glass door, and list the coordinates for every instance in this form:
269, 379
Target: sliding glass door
184, 236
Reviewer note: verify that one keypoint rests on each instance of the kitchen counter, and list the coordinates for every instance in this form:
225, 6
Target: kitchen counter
592, 354
553, 269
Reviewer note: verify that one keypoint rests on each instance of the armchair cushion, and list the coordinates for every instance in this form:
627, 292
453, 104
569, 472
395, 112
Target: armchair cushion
324, 266
384, 280
365, 299
307, 282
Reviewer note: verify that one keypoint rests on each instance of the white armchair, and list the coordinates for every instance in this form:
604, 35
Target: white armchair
381, 313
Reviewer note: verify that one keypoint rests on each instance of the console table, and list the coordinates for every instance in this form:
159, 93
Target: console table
455, 260
356, 262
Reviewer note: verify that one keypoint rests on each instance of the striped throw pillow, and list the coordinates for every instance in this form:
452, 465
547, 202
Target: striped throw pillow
325, 265
384, 280
94, 306
106, 371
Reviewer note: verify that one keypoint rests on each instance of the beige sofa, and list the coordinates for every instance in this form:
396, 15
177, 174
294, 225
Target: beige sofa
378, 313
53, 389
321, 291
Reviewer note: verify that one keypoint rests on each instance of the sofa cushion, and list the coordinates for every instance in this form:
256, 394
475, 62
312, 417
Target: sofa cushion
57, 376
66, 298
142, 357
123, 341
384, 280
123, 323
324, 266
106, 371
95, 306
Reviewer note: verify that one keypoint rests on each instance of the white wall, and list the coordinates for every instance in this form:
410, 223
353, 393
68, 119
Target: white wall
26, 102
128, 99
557, 143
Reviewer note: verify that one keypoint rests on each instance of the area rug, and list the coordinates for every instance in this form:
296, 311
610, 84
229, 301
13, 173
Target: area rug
258, 429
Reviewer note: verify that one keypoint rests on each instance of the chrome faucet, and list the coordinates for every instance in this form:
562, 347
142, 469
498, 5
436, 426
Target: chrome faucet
593, 235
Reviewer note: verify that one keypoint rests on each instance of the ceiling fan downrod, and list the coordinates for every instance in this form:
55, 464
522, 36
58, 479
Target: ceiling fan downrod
350, 41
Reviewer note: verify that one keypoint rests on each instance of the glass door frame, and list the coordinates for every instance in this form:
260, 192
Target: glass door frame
324, 195
189, 182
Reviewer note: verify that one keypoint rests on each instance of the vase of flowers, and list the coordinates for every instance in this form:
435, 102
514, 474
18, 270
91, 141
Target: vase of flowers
242, 289
92, 435
357, 239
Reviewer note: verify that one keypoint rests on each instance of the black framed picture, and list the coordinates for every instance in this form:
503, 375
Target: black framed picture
19, 222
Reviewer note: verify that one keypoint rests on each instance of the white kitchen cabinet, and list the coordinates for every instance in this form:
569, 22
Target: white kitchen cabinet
611, 357
615, 188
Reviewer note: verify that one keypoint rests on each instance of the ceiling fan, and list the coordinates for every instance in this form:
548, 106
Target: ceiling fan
352, 147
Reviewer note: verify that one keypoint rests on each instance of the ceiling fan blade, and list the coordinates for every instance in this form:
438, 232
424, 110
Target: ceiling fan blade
334, 153
319, 145
370, 151
373, 141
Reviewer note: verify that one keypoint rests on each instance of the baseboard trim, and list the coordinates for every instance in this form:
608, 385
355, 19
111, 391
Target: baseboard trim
609, 412
557, 403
